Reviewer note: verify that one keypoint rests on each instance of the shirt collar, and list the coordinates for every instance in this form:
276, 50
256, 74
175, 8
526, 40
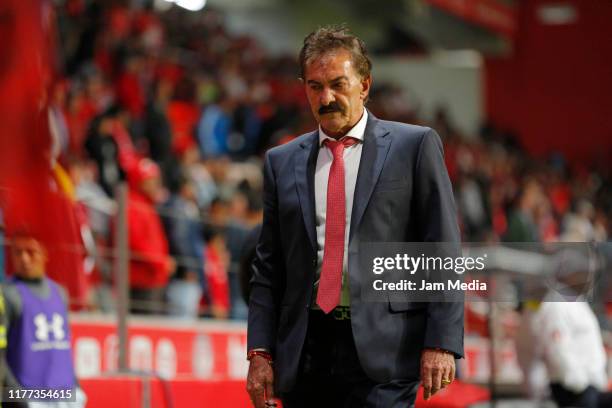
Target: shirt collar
357, 131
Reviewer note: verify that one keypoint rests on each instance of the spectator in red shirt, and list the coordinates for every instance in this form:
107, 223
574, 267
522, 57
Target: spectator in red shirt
129, 89
217, 264
183, 115
150, 263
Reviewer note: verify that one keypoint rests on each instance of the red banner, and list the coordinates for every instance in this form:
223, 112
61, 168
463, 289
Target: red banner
216, 351
171, 348
210, 356
200, 363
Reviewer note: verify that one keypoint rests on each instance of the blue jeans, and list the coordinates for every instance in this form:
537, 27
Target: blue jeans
239, 309
184, 299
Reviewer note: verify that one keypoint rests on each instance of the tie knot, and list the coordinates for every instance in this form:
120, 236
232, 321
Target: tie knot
337, 146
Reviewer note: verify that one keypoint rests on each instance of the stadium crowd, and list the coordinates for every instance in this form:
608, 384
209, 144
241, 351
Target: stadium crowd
183, 110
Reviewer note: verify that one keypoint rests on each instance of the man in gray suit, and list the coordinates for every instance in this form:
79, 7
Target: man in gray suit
312, 340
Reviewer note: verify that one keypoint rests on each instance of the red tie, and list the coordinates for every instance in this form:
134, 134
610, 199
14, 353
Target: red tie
330, 282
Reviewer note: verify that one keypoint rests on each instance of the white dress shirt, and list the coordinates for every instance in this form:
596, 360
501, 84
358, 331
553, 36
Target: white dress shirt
352, 157
569, 339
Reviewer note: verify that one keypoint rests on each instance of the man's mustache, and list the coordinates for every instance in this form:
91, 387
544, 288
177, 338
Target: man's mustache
332, 107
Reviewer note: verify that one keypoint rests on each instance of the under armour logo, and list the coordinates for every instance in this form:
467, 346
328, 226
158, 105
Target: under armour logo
44, 327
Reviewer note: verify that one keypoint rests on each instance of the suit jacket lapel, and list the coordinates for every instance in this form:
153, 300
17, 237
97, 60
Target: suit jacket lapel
305, 163
376, 145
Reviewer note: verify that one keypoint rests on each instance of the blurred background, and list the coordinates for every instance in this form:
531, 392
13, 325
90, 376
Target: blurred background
145, 123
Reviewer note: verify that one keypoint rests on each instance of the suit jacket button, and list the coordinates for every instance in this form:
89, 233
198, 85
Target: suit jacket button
314, 262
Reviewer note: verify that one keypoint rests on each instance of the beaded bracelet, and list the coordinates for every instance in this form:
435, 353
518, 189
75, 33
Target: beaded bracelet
261, 353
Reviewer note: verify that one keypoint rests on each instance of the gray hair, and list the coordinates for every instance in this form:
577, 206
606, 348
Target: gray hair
329, 38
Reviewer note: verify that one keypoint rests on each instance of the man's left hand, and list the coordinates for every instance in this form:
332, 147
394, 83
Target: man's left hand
437, 370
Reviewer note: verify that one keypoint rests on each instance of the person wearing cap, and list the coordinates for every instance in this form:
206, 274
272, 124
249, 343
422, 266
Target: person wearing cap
150, 262
313, 340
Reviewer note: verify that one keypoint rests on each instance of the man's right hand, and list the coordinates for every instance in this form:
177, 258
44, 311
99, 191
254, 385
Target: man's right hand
260, 382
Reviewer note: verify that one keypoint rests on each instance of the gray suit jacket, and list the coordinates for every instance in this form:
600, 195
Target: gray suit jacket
403, 194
